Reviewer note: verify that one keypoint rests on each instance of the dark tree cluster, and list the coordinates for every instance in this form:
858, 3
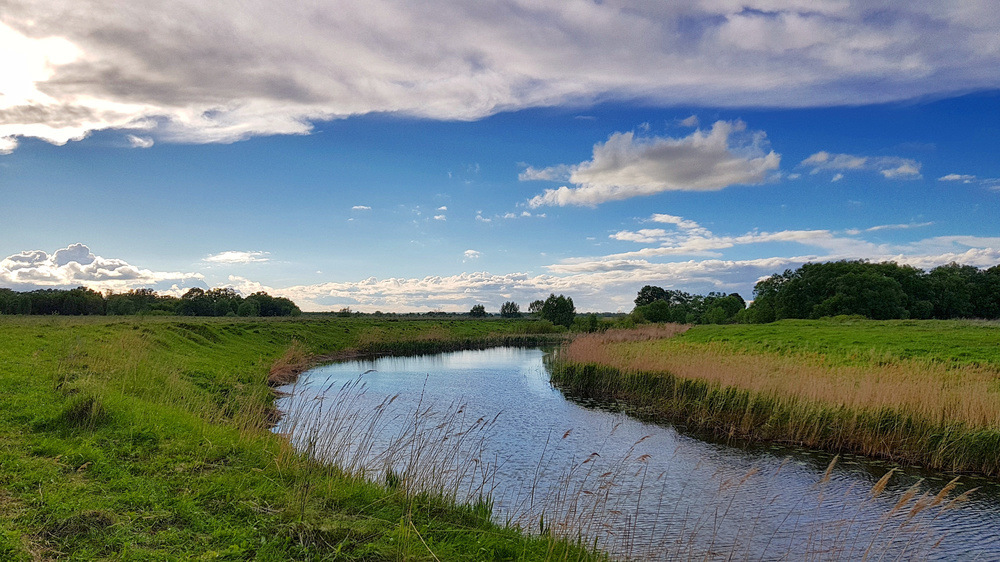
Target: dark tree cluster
880, 291
227, 302
656, 304
558, 310
75, 302
196, 302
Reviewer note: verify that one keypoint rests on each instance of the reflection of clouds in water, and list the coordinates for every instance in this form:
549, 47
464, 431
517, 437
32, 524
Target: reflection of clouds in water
603, 473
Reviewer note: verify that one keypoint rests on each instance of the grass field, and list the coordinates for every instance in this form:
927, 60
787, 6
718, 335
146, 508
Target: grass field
926, 392
148, 439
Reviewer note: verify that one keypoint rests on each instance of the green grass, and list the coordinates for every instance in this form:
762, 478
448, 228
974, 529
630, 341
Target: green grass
857, 341
146, 439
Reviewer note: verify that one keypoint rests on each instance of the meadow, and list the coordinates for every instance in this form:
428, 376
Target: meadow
147, 438
924, 392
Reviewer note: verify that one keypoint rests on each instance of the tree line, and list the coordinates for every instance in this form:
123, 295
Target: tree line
195, 302
880, 291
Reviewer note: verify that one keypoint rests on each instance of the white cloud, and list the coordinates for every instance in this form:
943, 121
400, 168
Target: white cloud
234, 257
139, 142
442, 208
562, 172
837, 177
361, 208
472, 255
7, 144
644, 236
626, 166
221, 71
440, 217
964, 178
905, 226
691, 121
891, 167
76, 266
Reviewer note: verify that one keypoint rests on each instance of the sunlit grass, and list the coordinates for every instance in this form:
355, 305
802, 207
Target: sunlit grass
149, 439
928, 409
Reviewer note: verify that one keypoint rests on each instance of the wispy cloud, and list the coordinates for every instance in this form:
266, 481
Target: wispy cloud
891, 167
361, 208
235, 256
146, 68
139, 142
964, 178
627, 166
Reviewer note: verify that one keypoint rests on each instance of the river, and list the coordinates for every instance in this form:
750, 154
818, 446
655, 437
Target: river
488, 423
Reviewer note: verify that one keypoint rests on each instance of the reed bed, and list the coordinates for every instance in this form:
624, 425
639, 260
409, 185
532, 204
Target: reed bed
605, 501
941, 415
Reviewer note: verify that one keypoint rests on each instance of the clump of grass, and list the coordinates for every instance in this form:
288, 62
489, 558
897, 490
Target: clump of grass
287, 368
85, 412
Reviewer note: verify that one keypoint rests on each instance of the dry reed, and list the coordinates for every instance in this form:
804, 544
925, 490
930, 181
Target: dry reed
602, 499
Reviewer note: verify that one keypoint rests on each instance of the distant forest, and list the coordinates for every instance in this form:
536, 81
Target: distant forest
880, 291
195, 302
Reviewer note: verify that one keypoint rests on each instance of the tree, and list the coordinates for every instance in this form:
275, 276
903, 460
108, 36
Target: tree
650, 294
558, 310
477, 311
536, 307
510, 310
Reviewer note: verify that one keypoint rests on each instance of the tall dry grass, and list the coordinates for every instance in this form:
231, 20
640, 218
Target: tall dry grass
966, 394
929, 412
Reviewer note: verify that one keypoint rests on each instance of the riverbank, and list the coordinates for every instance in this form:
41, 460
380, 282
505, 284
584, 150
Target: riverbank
921, 392
148, 439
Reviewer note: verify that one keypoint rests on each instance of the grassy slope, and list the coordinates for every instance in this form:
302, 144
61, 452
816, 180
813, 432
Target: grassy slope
144, 439
915, 391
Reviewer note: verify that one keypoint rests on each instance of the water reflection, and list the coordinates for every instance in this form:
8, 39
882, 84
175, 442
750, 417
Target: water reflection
494, 425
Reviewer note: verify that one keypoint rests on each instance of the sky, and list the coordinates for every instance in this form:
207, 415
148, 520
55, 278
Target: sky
430, 156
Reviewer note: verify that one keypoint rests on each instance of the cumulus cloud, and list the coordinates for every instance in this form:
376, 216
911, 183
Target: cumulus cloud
222, 71
891, 167
235, 256
76, 266
471, 255
440, 217
627, 166
361, 208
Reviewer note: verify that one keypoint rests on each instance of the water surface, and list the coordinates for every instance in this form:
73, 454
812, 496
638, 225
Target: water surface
494, 426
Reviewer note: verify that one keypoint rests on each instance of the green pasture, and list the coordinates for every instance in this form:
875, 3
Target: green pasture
147, 439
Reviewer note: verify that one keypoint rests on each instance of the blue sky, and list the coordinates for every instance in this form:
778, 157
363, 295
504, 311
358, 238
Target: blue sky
389, 156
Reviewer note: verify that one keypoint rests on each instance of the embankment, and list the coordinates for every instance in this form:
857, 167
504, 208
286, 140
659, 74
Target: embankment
148, 439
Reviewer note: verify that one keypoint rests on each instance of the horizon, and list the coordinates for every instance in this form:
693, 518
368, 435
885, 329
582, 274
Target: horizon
407, 159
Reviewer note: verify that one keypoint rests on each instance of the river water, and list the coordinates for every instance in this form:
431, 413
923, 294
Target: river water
488, 424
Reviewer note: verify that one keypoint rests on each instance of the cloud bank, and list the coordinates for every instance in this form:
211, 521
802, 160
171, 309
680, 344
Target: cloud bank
679, 254
76, 266
226, 70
